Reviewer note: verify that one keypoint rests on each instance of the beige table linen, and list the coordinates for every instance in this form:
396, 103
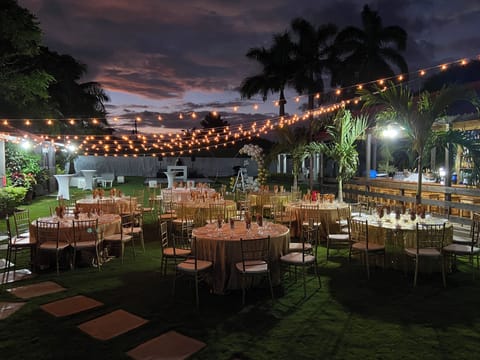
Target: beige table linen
222, 247
107, 223
124, 204
198, 210
397, 235
326, 212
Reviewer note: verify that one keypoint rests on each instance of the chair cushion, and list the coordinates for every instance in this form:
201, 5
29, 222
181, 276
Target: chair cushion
189, 265
179, 252
252, 267
461, 239
341, 237
85, 244
118, 237
296, 258
298, 246
361, 245
460, 249
429, 252
167, 216
52, 245
23, 242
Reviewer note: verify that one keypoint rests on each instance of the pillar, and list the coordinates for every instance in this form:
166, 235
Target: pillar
3, 171
368, 154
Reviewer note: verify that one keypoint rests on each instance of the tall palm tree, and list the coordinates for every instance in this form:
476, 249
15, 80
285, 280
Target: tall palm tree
368, 53
276, 73
415, 114
344, 133
312, 51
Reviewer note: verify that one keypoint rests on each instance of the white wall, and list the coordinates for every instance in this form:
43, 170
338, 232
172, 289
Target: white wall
149, 166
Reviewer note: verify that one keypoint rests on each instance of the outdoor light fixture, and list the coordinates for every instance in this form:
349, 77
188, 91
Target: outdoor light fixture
390, 133
71, 148
26, 145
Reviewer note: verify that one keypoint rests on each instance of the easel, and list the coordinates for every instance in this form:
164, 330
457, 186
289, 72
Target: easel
240, 181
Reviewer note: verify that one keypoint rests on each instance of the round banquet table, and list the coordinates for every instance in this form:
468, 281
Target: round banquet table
222, 247
185, 194
326, 212
260, 199
108, 224
397, 235
198, 210
124, 204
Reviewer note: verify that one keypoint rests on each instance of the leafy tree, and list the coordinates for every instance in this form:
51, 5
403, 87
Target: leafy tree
276, 70
20, 37
344, 133
368, 53
213, 120
415, 114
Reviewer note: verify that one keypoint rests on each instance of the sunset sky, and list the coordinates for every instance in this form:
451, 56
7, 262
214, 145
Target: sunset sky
168, 57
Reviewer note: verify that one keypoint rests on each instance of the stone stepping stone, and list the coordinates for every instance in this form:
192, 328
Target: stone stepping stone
34, 290
171, 345
111, 325
71, 305
9, 308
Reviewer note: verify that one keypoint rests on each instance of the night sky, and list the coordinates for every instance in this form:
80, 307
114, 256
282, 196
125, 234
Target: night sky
177, 56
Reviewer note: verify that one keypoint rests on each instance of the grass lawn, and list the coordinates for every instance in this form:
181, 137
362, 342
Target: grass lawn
348, 318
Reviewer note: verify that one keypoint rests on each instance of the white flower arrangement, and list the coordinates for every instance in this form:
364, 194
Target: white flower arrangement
256, 153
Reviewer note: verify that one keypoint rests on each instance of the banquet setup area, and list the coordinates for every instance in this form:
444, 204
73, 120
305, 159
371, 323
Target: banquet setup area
137, 268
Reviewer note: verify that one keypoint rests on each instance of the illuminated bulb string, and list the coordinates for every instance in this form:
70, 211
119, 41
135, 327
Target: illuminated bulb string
197, 140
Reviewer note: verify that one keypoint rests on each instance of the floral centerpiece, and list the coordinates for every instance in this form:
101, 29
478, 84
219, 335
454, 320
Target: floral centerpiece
256, 153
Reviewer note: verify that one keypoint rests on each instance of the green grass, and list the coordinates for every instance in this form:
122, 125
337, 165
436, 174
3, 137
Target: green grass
349, 318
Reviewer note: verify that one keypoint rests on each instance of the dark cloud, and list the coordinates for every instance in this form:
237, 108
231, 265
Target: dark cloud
164, 49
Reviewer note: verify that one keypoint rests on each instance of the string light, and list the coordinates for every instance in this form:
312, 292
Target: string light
154, 144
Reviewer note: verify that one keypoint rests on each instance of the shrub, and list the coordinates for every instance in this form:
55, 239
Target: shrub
10, 198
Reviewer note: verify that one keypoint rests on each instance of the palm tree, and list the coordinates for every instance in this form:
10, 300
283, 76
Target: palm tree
415, 114
276, 73
344, 132
311, 59
369, 52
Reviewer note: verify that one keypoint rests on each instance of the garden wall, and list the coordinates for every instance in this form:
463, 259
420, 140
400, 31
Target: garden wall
151, 166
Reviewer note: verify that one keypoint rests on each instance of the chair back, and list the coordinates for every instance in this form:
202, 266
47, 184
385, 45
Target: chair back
107, 206
22, 223
164, 234
309, 242
216, 211
343, 213
181, 242
47, 231
475, 230
128, 222
85, 231
254, 250
430, 236
359, 230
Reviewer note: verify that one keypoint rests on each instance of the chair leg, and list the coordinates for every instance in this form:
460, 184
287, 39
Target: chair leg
367, 264
443, 273
197, 300
315, 268
58, 263
304, 282
243, 289
271, 288
416, 273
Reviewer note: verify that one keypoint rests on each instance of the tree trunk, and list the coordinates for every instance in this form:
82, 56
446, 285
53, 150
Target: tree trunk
281, 104
418, 195
340, 184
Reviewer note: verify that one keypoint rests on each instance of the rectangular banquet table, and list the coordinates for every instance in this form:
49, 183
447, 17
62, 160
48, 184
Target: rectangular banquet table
222, 247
